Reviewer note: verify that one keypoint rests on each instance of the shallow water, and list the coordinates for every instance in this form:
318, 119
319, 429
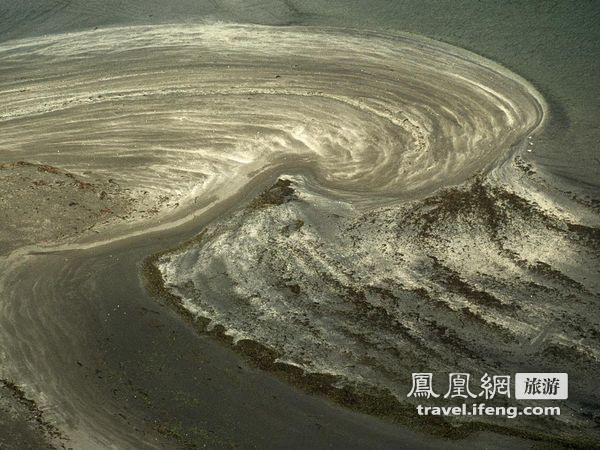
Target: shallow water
553, 44
371, 268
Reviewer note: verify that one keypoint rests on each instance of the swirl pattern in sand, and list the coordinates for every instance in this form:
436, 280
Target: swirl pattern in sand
363, 262
197, 110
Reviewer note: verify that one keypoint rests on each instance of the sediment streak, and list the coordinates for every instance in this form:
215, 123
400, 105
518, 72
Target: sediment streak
374, 264
190, 111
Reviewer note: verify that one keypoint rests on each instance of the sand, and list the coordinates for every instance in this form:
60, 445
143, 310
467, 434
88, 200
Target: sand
404, 159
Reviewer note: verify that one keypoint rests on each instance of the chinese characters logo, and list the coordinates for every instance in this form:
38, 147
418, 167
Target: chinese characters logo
527, 386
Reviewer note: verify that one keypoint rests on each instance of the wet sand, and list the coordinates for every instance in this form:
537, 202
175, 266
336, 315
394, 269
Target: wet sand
151, 381
106, 364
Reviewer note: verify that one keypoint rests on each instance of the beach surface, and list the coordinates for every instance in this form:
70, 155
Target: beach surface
247, 227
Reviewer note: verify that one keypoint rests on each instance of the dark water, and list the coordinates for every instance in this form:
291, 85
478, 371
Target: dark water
499, 274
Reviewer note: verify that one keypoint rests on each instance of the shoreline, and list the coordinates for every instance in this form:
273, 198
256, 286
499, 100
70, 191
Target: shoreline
364, 399
128, 237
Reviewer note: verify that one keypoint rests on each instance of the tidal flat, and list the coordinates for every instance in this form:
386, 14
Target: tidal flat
245, 226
